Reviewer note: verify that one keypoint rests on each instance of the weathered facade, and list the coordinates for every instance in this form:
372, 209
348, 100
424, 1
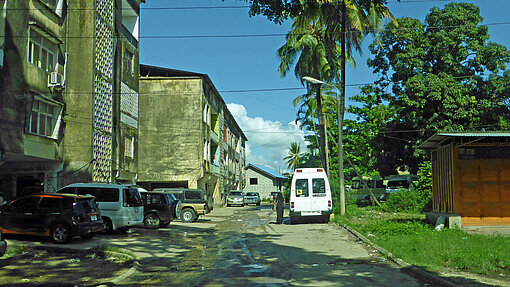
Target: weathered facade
188, 137
471, 178
263, 180
69, 97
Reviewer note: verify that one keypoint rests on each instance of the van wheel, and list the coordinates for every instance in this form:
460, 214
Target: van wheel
188, 215
151, 221
61, 233
107, 225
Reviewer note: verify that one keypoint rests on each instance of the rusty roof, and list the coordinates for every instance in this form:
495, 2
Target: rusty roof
438, 139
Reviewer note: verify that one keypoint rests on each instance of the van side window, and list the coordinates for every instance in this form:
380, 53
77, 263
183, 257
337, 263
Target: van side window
318, 185
302, 187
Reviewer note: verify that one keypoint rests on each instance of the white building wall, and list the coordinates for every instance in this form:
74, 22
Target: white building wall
264, 185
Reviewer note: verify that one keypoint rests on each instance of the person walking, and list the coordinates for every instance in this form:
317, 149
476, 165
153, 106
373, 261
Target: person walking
279, 205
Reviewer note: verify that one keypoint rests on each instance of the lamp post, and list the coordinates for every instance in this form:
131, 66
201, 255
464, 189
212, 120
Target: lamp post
340, 116
322, 131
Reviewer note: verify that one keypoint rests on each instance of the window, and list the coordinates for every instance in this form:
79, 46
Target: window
43, 118
302, 187
254, 181
129, 58
42, 52
50, 203
318, 185
28, 204
129, 147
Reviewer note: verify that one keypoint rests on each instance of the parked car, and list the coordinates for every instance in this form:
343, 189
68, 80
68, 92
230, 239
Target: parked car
252, 198
194, 202
159, 208
3, 244
235, 197
59, 216
121, 205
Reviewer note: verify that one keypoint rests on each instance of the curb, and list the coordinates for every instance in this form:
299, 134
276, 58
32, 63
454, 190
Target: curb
408, 267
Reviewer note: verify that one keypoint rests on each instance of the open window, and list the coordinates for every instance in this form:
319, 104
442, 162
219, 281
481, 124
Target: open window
45, 118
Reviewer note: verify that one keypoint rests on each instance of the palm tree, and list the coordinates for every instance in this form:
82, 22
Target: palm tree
295, 156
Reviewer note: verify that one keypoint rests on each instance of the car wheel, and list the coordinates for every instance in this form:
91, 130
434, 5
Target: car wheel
188, 215
151, 221
107, 225
228, 205
258, 203
88, 235
61, 233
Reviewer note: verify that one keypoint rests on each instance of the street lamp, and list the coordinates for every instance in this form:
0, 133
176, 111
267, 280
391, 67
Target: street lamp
322, 131
340, 116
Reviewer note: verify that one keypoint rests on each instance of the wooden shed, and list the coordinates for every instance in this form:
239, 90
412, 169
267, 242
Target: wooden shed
471, 177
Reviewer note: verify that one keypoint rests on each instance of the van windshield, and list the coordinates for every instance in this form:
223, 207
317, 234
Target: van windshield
302, 187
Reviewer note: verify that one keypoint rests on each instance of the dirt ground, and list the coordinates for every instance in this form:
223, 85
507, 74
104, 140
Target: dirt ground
43, 268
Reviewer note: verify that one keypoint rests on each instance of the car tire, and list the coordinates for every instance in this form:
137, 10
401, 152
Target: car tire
61, 233
188, 215
228, 205
88, 235
151, 221
107, 225
258, 204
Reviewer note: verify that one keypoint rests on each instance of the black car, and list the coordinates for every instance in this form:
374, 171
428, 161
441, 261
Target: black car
56, 215
159, 208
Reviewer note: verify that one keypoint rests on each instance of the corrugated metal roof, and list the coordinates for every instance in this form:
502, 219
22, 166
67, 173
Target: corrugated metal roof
438, 138
266, 170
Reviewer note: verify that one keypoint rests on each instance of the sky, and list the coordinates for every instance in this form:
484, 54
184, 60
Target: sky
238, 53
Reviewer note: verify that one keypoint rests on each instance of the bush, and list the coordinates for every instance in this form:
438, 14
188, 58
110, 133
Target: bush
418, 199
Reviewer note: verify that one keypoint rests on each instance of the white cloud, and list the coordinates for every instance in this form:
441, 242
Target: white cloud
268, 141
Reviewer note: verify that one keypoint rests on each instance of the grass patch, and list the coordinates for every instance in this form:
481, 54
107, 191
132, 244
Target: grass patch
409, 237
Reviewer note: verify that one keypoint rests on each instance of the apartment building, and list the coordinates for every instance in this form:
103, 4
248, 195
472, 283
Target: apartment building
69, 88
188, 137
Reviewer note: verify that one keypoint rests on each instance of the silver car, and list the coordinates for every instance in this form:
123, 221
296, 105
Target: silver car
252, 198
235, 197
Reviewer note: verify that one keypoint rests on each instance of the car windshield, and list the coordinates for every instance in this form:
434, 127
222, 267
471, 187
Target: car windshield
252, 194
236, 193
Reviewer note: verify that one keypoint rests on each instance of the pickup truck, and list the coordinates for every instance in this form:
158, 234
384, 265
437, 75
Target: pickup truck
194, 202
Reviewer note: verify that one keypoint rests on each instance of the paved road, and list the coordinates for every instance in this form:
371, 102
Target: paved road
242, 246
238, 246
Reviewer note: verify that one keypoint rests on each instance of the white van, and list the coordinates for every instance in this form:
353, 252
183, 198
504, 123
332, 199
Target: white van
121, 205
310, 195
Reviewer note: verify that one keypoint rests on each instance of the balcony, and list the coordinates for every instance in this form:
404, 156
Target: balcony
131, 39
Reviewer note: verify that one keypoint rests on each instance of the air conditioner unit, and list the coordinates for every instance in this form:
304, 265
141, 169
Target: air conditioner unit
55, 80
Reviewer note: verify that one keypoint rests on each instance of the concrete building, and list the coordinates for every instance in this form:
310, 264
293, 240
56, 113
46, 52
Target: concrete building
188, 137
69, 93
263, 180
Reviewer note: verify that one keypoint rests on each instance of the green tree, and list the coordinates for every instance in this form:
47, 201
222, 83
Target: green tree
295, 156
440, 75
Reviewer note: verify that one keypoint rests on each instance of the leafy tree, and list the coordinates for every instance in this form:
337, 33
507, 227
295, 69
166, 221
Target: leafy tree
441, 75
294, 157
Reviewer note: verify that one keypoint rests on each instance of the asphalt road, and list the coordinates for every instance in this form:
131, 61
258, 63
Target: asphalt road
242, 246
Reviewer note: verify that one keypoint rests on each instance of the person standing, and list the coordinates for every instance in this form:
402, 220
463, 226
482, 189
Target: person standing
279, 205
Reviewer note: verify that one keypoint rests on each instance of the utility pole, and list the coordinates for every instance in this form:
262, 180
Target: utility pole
322, 132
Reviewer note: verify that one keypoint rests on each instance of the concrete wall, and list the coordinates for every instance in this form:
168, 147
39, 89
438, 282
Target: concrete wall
171, 130
264, 186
